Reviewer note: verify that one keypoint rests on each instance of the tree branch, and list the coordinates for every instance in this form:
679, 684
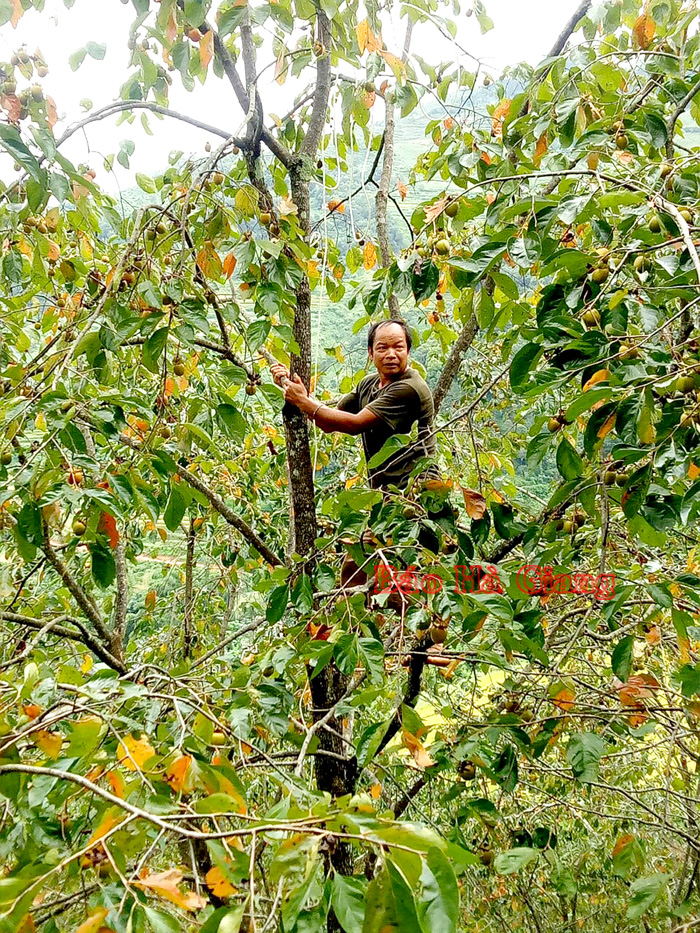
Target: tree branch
673, 119
82, 635
454, 361
312, 139
189, 637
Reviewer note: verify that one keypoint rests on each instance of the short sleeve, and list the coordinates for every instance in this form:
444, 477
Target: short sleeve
349, 402
397, 405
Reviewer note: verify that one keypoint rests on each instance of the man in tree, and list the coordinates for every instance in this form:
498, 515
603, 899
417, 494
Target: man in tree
383, 404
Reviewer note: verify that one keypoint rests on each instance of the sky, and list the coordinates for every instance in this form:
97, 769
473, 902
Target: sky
524, 31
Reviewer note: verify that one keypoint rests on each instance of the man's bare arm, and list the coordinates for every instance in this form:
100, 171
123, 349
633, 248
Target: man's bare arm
328, 419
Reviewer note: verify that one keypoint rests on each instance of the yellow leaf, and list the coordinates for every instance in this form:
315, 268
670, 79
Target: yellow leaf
206, 48
375, 791
165, 885
438, 485
86, 666
94, 921
113, 817
396, 65
286, 207
601, 375
25, 247
369, 255
54, 251
50, 743
647, 433
474, 503
416, 748
134, 753
349, 483
40, 421
218, 884
366, 39
643, 31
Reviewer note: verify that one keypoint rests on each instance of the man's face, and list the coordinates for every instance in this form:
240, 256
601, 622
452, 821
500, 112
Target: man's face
390, 352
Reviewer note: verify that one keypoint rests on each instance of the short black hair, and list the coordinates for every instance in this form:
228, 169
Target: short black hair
375, 327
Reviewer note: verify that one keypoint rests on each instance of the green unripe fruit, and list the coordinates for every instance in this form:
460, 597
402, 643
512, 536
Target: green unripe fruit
640, 263
610, 477
685, 384
466, 770
666, 169
553, 425
628, 352
621, 141
79, 528
590, 318
655, 224
621, 479
600, 275
452, 209
5, 458
567, 526
442, 247
686, 215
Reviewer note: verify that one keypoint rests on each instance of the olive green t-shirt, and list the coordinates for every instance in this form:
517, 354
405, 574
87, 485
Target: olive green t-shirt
399, 404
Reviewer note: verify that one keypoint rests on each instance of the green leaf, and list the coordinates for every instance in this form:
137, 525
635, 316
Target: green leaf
425, 281
390, 904
277, 603
348, 902
622, 658
103, 567
145, 183
690, 679
438, 902
393, 444
523, 363
153, 349
12, 142
514, 860
96, 50
644, 892
583, 753
176, 506
232, 422
569, 463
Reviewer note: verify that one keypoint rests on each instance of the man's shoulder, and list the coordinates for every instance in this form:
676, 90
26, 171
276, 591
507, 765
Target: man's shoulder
414, 379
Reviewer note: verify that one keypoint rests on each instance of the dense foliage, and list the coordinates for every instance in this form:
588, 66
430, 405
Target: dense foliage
198, 728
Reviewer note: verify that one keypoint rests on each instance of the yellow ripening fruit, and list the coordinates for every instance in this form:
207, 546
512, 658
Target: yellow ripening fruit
218, 739
554, 425
591, 318
79, 528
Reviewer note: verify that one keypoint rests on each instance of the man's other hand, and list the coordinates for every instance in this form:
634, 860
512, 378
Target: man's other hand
280, 373
295, 392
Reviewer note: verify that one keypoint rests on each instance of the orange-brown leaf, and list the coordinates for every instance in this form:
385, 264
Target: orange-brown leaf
229, 265
435, 209
403, 188
448, 123
209, 261
165, 885
117, 783
107, 525
474, 503
601, 375
150, 600
368, 98
280, 69
499, 115
12, 104
621, 844
540, 149
17, 12
112, 818
564, 699
206, 48
171, 28
218, 884
417, 749
178, 774
693, 470
336, 205
369, 255
643, 31
607, 426
395, 63
51, 112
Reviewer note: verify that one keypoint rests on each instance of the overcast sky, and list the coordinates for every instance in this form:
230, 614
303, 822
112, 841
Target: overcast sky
524, 30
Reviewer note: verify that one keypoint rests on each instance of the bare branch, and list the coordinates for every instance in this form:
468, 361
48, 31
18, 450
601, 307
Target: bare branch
673, 119
454, 361
82, 635
317, 121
